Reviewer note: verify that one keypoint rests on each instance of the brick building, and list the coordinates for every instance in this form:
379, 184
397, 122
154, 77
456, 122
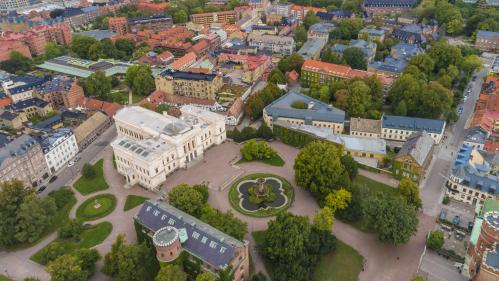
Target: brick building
220, 17
61, 92
9, 46
118, 25
375, 7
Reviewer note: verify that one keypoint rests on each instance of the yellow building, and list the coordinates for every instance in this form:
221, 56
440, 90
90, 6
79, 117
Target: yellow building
197, 85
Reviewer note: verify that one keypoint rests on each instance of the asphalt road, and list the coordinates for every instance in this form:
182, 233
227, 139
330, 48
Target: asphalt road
436, 268
68, 174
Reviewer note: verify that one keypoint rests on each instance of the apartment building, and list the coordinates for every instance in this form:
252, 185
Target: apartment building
59, 147
20, 88
400, 128
118, 25
214, 17
9, 5
281, 45
155, 22
471, 180
61, 92
487, 41
151, 146
175, 232
299, 109
183, 83
377, 7
9, 46
318, 73
31, 107
300, 12
368, 48
23, 159
253, 66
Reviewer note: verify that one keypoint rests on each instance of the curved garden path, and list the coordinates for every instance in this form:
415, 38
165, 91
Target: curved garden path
384, 262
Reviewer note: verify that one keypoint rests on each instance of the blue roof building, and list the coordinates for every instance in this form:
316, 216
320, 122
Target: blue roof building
367, 47
97, 34
297, 108
188, 75
167, 226
334, 14
399, 128
405, 50
472, 176
312, 49
390, 66
18, 85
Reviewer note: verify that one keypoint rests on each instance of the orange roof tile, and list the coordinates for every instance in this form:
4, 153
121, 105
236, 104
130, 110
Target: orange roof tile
212, 13
5, 102
336, 69
184, 61
492, 146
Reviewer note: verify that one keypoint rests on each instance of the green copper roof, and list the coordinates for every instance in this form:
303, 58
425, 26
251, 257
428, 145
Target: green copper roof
476, 231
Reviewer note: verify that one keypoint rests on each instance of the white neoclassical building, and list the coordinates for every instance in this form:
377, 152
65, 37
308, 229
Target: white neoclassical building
59, 147
150, 146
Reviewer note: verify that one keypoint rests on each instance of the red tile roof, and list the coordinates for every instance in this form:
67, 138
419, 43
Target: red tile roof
5, 102
491, 146
109, 108
210, 14
184, 61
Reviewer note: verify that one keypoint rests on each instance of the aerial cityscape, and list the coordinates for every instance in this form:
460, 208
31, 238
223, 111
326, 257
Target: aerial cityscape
249, 140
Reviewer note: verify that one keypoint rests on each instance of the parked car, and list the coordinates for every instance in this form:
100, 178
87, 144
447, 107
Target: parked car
41, 189
70, 164
456, 220
52, 179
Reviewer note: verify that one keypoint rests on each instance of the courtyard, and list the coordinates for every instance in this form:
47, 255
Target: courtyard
219, 171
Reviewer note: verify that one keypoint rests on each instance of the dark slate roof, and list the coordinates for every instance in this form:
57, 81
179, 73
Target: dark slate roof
7, 115
390, 65
74, 114
492, 257
319, 112
29, 82
487, 34
406, 35
59, 84
20, 105
187, 75
419, 146
406, 50
203, 241
262, 27
334, 13
48, 123
71, 12
476, 176
150, 18
475, 135
412, 123
19, 146
47, 138
391, 3
4, 139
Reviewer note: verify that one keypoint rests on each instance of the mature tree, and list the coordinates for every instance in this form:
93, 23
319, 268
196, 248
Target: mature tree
292, 62
81, 45
67, 268
410, 192
350, 165
203, 190
435, 240
12, 195
276, 77
341, 97
72, 229
126, 47
224, 221
435, 100
257, 277
347, 29
253, 150
324, 94
470, 63
98, 85
359, 100
264, 132
423, 62
338, 200
52, 50
171, 272
407, 89
34, 215
52, 251
300, 35
353, 212
310, 19
324, 219
394, 220
17, 63
355, 58
139, 79
286, 243
206, 276
331, 57
450, 16
226, 275
180, 16
87, 258
400, 109
318, 168
444, 55
125, 262
186, 199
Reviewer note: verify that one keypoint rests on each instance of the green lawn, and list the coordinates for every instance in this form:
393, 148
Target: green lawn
92, 236
88, 211
86, 186
234, 197
274, 161
369, 188
133, 201
4, 278
259, 237
342, 264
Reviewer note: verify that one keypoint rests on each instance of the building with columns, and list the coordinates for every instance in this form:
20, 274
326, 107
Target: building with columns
150, 146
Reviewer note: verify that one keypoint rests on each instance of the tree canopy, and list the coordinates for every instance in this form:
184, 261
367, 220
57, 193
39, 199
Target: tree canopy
355, 58
187, 199
125, 262
171, 272
409, 190
98, 85
139, 79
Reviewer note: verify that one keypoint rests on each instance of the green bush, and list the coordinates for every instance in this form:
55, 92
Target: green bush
62, 196
253, 150
435, 240
298, 104
88, 171
72, 229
